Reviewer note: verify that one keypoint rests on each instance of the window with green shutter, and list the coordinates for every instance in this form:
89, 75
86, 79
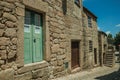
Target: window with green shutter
33, 51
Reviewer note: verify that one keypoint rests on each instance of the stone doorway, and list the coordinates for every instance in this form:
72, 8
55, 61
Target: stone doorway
75, 54
104, 56
95, 56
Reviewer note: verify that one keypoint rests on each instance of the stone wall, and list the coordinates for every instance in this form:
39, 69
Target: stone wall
74, 30
57, 38
12, 38
10, 15
103, 46
90, 34
59, 30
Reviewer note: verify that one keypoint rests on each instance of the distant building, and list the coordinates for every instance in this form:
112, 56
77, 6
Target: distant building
106, 50
90, 32
103, 46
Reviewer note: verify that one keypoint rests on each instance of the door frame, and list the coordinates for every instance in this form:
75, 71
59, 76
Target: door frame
32, 31
95, 56
79, 58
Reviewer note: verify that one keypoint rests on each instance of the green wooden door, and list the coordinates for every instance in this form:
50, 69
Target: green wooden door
32, 37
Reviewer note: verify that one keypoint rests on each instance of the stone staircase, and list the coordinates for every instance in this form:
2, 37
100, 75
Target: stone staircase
109, 59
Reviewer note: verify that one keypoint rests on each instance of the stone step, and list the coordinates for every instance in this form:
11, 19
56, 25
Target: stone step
109, 63
109, 59
109, 56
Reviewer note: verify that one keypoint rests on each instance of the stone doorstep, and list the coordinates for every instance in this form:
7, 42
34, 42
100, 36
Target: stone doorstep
87, 73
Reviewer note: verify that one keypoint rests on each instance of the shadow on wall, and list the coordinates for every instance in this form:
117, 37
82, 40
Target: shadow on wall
112, 76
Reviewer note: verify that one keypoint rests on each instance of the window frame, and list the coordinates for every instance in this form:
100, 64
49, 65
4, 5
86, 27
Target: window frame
31, 24
90, 46
89, 21
77, 2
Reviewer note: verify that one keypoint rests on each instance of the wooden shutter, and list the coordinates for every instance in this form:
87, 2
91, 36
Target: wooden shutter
27, 38
37, 37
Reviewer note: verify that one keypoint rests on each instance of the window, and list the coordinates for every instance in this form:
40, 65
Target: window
64, 6
77, 2
89, 21
90, 46
32, 37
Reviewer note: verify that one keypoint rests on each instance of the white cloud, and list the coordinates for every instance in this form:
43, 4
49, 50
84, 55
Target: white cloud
99, 28
108, 32
118, 25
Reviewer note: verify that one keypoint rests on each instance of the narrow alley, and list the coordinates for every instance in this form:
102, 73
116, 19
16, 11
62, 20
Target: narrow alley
99, 73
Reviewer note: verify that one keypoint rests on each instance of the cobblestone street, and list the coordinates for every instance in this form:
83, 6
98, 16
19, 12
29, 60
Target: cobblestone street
100, 73
113, 74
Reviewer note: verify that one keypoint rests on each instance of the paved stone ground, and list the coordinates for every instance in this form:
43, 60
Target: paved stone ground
99, 73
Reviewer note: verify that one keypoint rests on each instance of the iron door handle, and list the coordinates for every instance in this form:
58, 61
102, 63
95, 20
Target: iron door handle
34, 40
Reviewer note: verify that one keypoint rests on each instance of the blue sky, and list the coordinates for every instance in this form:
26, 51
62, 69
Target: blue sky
108, 13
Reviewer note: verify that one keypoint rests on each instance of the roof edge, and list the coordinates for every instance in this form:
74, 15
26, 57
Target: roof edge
84, 8
102, 32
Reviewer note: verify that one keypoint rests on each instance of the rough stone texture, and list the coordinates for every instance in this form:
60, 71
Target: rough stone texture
35, 4
10, 32
90, 34
2, 62
4, 41
0, 13
8, 38
6, 4
9, 17
55, 48
19, 11
7, 74
3, 54
10, 24
2, 47
2, 26
36, 71
1, 32
40, 73
13, 47
25, 76
14, 41
59, 30
11, 54
27, 68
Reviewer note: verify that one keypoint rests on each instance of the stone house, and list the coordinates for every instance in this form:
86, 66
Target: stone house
106, 50
46, 39
103, 47
90, 36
